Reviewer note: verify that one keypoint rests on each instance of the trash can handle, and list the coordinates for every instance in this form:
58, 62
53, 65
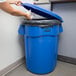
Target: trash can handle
46, 29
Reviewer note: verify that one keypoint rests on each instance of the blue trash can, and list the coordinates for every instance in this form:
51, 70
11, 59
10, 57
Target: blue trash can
41, 48
41, 45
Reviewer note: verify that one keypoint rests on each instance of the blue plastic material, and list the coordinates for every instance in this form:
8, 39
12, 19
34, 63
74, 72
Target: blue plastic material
41, 54
41, 45
41, 11
21, 30
38, 31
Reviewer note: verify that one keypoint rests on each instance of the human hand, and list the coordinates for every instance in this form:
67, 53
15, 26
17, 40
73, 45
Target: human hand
28, 16
18, 3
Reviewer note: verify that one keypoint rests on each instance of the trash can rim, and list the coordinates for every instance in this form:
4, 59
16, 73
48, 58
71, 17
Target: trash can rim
41, 23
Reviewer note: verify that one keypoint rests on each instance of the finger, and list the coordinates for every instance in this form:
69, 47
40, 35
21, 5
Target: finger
18, 3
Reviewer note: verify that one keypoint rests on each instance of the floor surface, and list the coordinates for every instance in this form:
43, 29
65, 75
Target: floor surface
62, 69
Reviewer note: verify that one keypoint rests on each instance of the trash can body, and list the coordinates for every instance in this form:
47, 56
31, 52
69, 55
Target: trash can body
41, 47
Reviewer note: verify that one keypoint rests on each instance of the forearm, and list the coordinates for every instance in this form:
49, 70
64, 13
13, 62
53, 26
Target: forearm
11, 1
7, 8
18, 13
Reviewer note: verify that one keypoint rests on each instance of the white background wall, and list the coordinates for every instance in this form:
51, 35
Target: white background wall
67, 46
11, 45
